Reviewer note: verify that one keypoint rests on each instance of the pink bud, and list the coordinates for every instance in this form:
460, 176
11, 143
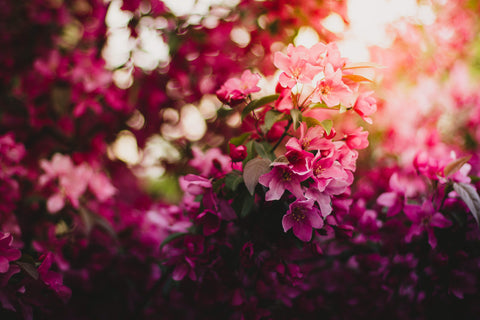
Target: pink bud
237, 153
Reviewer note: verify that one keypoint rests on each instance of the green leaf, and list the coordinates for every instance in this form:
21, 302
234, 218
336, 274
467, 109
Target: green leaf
312, 122
217, 184
240, 139
247, 207
271, 117
296, 117
469, 195
172, 237
28, 268
232, 180
252, 172
243, 203
251, 153
255, 104
320, 105
262, 150
327, 125
223, 112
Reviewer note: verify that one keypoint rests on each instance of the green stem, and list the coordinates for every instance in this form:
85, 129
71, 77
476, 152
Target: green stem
287, 127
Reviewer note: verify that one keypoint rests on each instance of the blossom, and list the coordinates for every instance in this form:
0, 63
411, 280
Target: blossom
357, 139
424, 218
7, 252
73, 182
236, 90
237, 153
279, 179
331, 90
302, 216
212, 163
52, 279
295, 66
365, 105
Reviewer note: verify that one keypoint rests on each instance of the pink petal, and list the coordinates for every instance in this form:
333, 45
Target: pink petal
387, 199
55, 203
303, 231
287, 222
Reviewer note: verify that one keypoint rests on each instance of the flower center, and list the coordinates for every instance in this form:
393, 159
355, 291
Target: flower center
318, 170
305, 144
325, 90
298, 215
286, 175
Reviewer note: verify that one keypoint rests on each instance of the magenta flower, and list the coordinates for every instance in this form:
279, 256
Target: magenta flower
235, 90
237, 153
279, 179
212, 163
52, 279
300, 159
73, 182
424, 218
7, 252
302, 216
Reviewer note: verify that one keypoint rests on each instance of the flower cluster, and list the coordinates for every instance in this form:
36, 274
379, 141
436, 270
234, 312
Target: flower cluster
306, 192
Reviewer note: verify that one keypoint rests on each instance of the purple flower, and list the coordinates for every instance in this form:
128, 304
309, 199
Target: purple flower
302, 216
7, 252
424, 218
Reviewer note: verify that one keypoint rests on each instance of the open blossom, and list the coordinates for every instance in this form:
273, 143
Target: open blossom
212, 163
235, 90
332, 90
73, 182
424, 218
296, 66
302, 216
279, 179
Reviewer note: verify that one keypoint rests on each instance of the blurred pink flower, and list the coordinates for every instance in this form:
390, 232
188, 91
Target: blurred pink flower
237, 89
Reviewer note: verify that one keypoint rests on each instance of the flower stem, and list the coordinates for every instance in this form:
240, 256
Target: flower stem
287, 127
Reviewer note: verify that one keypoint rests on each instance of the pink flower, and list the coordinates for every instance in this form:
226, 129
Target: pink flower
7, 252
302, 216
357, 139
212, 163
300, 159
365, 105
295, 66
334, 57
331, 90
311, 139
210, 222
237, 153
52, 279
73, 182
235, 90
424, 218
279, 179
